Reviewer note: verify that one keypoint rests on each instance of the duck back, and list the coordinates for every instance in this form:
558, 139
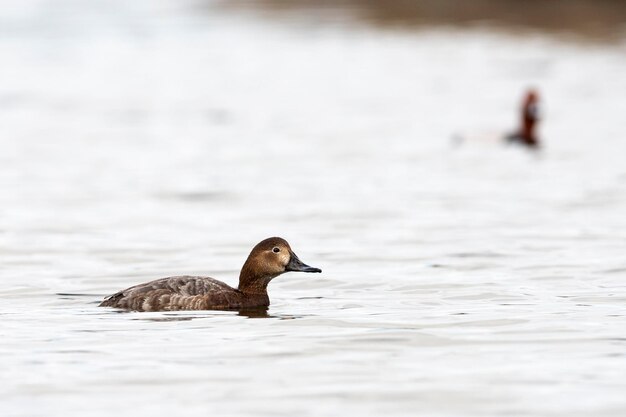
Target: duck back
178, 293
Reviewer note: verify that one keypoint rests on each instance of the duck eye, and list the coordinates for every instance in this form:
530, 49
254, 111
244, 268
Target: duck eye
276, 249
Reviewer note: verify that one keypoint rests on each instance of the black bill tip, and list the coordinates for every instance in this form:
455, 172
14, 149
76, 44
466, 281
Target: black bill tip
297, 265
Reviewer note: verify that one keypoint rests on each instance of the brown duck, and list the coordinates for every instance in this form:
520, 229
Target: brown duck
268, 259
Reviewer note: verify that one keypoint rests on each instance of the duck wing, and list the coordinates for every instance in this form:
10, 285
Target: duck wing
172, 293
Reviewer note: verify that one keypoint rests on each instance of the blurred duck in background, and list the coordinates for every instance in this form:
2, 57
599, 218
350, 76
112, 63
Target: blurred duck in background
527, 132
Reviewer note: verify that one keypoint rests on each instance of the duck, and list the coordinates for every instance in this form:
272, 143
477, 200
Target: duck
267, 260
526, 134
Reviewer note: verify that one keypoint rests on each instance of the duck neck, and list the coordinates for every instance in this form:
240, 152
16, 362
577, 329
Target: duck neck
252, 281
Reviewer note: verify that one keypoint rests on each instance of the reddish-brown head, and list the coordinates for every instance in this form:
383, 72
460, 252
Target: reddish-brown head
268, 259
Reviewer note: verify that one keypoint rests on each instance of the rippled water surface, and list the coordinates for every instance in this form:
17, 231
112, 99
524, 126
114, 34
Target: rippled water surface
142, 139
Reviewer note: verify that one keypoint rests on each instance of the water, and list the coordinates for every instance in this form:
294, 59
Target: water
142, 140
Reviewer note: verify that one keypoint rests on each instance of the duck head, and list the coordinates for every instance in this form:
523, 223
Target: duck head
269, 259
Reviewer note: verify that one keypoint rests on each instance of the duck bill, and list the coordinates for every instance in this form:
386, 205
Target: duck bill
297, 265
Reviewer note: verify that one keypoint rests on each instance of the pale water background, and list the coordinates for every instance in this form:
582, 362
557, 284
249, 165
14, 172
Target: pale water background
145, 139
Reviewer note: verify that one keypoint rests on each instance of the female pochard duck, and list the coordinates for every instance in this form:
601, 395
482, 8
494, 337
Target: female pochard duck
268, 259
526, 134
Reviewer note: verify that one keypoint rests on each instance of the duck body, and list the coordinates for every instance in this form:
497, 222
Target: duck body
522, 139
184, 293
268, 259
